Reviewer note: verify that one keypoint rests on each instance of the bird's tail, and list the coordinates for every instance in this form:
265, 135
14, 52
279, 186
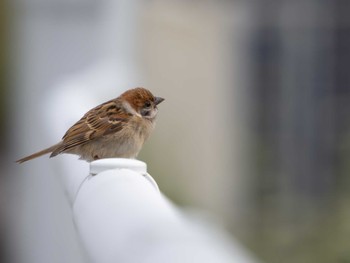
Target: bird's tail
37, 154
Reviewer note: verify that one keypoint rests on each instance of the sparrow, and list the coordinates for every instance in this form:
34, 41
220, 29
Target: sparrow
115, 129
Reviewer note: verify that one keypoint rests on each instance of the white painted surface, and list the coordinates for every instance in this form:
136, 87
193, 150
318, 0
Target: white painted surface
121, 217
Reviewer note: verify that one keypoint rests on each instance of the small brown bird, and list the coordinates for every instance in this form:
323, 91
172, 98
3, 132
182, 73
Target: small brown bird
116, 128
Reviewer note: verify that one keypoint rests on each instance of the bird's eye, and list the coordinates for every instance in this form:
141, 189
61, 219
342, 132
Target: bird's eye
147, 104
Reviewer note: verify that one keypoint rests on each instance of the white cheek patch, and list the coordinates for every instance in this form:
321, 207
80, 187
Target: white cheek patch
130, 109
152, 114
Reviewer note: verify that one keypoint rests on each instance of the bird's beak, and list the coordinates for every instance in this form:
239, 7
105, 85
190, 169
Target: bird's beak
158, 100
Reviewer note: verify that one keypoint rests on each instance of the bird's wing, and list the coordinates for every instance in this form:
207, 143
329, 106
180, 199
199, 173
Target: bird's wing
107, 118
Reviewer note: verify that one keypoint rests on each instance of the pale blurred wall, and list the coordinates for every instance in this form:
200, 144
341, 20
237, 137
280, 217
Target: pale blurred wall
66, 52
192, 55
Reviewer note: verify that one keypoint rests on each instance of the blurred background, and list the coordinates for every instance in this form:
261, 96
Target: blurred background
255, 129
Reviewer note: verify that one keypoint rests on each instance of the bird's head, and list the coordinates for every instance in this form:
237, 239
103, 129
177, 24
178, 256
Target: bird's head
142, 102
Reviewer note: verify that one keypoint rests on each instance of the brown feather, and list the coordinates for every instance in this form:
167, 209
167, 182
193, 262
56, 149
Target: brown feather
100, 121
37, 154
116, 128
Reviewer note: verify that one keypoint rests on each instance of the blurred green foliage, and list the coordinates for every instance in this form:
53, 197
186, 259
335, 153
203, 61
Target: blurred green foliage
300, 229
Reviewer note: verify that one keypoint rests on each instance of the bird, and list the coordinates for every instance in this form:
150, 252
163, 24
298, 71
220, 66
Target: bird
117, 128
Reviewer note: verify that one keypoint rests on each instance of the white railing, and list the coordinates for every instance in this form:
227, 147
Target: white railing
121, 216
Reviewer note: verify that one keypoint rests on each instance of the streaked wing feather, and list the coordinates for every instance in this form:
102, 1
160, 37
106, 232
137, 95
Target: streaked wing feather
102, 120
